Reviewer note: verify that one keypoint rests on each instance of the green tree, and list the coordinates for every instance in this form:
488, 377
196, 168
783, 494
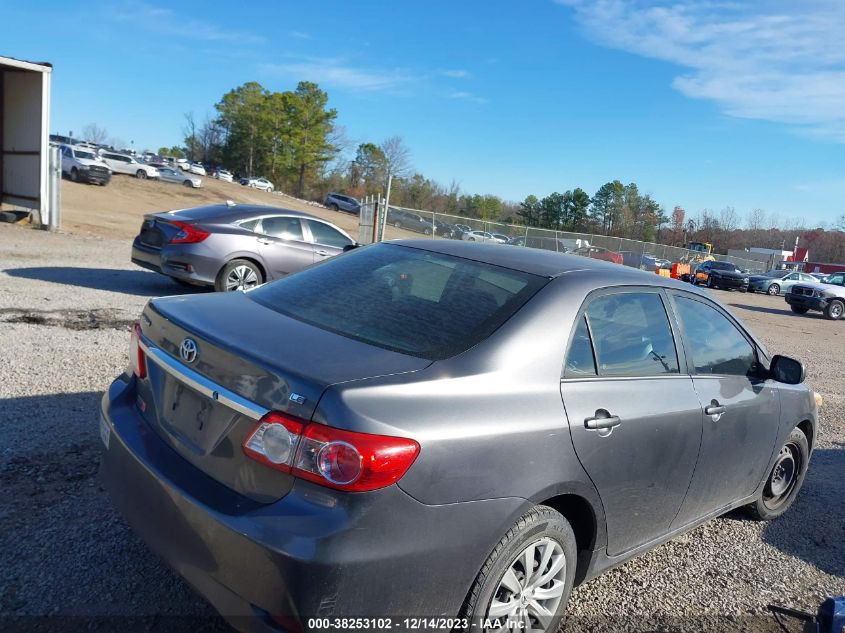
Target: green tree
606, 205
576, 205
311, 124
243, 117
529, 210
368, 170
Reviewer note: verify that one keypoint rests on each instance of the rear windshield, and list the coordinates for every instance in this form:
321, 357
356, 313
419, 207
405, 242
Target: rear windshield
403, 299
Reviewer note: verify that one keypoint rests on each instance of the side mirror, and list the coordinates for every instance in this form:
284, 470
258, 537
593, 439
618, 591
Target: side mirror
787, 370
349, 247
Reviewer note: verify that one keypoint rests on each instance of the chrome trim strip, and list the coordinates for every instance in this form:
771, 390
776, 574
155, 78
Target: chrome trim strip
203, 385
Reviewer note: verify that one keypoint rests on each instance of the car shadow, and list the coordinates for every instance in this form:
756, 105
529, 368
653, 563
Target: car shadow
744, 306
141, 283
813, 529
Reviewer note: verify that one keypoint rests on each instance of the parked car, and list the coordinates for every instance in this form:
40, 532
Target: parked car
827, 297
233, 246
539, 241
775, 282
289, 433
597, 252
402, 219
168, 174
222, 174
644, 261
258, 183
124, 164
723, 275
182, 163
81, 164
339, 202
196, 168
819, 276
481, 236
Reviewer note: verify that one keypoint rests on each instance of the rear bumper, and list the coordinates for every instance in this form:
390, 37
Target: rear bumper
803, 301
314, 553
179, 263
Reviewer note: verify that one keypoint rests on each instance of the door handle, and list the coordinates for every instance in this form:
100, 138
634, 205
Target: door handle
264, 240
715, 409
322, 253
603, 420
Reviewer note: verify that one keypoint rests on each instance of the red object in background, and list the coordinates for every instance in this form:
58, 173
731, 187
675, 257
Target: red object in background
826, 268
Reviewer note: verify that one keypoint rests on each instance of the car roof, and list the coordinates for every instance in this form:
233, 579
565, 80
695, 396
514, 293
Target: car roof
541, 262
238, 211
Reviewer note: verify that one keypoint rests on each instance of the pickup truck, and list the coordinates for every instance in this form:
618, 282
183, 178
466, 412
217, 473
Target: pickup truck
827, 297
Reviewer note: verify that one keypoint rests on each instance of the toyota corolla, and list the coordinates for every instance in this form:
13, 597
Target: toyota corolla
437, 428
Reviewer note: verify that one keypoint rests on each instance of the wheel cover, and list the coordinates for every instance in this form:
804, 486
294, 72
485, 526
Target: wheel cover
774, 289
241, 278
836, 310
530, 592
783, 477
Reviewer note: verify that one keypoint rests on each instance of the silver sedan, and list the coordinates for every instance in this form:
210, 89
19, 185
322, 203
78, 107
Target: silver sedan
179, 177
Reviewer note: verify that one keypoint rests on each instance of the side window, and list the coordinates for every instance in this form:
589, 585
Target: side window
631, 335
326, 235
793, 277
249, 225
285, 228
716, 345
580, 362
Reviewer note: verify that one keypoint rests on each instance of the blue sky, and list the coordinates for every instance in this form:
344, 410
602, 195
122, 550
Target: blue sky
701, 103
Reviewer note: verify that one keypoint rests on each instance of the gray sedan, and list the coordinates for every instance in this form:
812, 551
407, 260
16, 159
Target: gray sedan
179, 177
436, 428
234, 247
777, 282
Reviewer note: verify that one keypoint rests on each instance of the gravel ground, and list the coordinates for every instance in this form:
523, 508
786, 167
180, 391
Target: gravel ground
66, 303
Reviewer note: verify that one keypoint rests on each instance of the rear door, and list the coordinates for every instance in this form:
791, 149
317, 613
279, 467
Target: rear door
633, 413
283, 245
741, 407
328, 241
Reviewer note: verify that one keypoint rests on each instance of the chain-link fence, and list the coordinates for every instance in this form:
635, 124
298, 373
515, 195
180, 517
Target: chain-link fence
404, 223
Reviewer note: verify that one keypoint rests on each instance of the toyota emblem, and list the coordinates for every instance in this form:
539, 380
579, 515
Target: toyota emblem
188, 350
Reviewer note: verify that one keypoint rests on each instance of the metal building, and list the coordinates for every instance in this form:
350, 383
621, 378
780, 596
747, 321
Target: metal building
24, 135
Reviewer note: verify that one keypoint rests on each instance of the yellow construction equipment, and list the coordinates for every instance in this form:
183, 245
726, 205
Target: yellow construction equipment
701, 252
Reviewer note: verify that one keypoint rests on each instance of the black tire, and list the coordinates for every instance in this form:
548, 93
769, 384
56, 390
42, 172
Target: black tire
835, 310
799, 309
187, 183
397, 224
141, 174
539, 523
709, 282
743, 289
220, 283
426, 231
74, 174
795, 456
773, 290
334, 207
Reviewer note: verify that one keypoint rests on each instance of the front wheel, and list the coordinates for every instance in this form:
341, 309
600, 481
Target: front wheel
74, 174
773, 290
799, 309
141, 174
238, 274
784, 480
527, 579
834, 310
187, 183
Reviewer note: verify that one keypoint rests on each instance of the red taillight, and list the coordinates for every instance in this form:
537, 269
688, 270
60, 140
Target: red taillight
136, 355
344, 460
189, 234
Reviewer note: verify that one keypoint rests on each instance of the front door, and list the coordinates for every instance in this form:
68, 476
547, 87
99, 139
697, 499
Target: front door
634, 416
741, 408
328, 241
283, 246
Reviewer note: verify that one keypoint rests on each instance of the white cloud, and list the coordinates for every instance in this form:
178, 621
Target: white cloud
466, 96
340, 73
455, 74
300, 35
780, 62
166, 22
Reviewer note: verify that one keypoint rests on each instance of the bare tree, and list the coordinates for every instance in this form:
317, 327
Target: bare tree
728, 219
93, 133
755, 220
397, 156
190, 132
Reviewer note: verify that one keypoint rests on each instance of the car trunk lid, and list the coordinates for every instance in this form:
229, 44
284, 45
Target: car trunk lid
248, 360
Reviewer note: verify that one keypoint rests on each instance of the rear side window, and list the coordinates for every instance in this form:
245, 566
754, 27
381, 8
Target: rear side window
631, 335
404, 299
716, 345
282, 227
580, 361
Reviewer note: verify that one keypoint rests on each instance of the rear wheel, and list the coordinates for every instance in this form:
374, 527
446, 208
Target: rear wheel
187, 183
398, 225
799, 309
426, 231
834, 310
141, 174
527, 578
784, 480
74, 174
238, 274
709, 281
334, 207
773, 290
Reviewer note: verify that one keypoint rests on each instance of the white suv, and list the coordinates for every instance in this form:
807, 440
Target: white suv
123, 164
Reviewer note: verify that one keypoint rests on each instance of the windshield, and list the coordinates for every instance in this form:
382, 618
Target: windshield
78, 153
403, 299
723, 266
776, 274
